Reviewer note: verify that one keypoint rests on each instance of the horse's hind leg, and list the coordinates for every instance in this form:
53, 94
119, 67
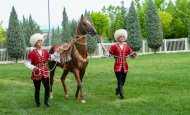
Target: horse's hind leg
52, 67
63, 79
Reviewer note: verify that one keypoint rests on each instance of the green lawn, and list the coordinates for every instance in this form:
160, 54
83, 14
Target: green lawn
156, 84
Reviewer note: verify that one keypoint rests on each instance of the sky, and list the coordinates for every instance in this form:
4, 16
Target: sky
39, 9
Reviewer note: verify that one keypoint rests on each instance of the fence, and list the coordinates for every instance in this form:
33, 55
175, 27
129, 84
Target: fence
168, 46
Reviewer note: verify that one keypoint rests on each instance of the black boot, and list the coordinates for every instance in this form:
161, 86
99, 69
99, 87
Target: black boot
121, 93
37, 102
37, 99
46, 103
116, 91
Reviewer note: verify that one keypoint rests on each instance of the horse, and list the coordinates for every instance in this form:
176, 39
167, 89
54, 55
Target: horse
78, 54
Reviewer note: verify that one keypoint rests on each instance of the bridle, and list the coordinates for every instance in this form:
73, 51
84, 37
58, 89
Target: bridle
84, 27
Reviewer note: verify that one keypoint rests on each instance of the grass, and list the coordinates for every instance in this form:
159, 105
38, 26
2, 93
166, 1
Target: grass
156, 85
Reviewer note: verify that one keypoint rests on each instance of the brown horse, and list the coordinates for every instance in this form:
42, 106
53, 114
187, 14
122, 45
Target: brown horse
78, 55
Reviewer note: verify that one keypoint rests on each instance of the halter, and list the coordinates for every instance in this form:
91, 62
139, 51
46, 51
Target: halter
88, 32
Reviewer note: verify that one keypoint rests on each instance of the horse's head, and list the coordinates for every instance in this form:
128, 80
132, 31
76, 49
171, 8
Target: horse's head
85, 27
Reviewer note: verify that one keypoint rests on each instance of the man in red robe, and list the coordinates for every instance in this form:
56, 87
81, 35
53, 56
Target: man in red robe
120, 51
36, 61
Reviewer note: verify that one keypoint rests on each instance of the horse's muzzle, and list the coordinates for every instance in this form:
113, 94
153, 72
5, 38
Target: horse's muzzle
92, 32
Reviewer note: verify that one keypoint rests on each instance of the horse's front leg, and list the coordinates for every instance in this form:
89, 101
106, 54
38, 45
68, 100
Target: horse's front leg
81, 74
77, 76
63, 79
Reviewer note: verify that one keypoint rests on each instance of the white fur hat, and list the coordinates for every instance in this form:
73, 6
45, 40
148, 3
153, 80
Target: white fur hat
35, 37
120, 32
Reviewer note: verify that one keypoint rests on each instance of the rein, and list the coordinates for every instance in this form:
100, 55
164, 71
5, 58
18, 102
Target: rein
75, 49
110, 55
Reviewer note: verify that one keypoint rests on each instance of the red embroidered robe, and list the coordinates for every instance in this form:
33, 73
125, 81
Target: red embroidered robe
39, 61
120, 56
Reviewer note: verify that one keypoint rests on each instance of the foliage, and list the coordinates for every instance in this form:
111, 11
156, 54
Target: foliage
56, 36
66, 32
141, 11
2, 37
117, 18
153, 27
91, 43
73, 25
165, 19
160, 4
181, 14
189, 33
29, 27
101, 22
15, 38
133, 28
155, 85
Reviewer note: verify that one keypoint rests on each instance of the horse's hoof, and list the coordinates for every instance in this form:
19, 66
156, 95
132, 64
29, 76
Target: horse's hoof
83, 101
66, 96
51, 95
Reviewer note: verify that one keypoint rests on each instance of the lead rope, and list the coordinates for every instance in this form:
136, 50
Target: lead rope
40, 70
111, 55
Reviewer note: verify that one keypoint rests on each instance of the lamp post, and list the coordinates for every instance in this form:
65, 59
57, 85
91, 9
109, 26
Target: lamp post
49, 25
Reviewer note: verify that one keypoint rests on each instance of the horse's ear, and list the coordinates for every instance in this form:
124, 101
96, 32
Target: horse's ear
82, 17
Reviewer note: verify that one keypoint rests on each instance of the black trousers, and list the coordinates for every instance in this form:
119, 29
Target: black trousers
37, 84
121, 76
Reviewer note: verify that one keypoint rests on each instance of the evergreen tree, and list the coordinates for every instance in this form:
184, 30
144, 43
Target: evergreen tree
73, 26
91, 43
29, 27
66, 32
15, 38
24, 30
53, 37
153, 27
134, 30
123, 15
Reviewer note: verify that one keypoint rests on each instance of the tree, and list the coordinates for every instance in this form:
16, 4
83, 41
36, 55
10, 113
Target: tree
29, 27
181, 14
117, 18
73, 26
91, 43
134, 30
15, 40
165, 19
66, 32
153, 27
2, 36
141, 11
189, 33
101, 22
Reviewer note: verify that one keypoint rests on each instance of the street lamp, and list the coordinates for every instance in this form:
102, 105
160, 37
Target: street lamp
49, 25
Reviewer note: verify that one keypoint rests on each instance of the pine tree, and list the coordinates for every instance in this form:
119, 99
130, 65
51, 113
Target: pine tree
29, 27
66, 32
123, 14
15, 38
91, 43
73, 26
134, 30
153, 27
